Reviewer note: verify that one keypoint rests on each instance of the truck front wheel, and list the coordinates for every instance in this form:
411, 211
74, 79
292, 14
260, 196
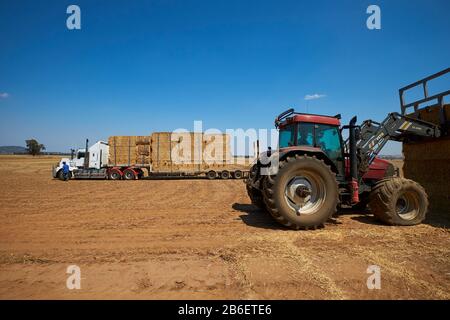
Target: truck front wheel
60, 175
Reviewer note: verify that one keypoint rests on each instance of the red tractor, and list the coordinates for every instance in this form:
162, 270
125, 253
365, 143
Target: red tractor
315, 171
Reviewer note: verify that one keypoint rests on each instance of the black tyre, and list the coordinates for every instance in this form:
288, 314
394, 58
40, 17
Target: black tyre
211, 175
60, 175
129, 174
225, 175
237, 174
304, 193
399, 201
256, 197
115, 175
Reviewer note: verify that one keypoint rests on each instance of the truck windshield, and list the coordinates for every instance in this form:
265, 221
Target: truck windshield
287, 136
80, 155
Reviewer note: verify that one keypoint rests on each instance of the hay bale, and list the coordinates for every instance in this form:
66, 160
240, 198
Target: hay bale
129, 150
428, 163
185, 151
142, 140
432, 113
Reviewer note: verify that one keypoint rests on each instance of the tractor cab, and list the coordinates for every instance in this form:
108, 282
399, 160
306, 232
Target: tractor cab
319, 134
313, 133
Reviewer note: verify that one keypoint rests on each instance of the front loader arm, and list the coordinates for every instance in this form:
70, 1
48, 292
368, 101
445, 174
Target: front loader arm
373, 136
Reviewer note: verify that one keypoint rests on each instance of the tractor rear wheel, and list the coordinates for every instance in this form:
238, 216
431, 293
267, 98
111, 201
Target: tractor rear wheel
304, 193
399, 201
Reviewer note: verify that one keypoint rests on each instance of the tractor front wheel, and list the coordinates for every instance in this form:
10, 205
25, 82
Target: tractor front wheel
399, 201
255, 197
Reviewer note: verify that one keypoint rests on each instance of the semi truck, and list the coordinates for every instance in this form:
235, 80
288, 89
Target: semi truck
134, 158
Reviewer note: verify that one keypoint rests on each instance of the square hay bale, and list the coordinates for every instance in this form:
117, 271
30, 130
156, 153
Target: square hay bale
129, 150
432, 113
428, 163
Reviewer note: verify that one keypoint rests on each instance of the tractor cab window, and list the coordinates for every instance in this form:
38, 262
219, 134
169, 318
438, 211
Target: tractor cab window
287, 136
305, 134
328, 139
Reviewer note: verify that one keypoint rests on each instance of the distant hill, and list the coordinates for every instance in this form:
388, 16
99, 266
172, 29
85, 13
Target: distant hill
12, 149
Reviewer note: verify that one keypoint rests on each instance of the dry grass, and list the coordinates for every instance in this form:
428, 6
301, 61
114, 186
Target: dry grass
193, 239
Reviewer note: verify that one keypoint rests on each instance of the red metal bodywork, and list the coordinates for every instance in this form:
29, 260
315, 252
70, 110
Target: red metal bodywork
377, 170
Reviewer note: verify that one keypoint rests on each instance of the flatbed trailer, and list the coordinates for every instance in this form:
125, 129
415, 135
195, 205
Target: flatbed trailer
94, 165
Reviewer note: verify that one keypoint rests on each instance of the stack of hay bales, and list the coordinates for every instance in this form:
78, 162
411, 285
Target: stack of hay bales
129, 150
428, 163
185, 151
172, 152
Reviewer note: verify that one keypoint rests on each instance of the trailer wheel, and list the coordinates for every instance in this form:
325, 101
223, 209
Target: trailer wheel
115, 174
225, 175
399, 201
237, 174
129, 174
211, 175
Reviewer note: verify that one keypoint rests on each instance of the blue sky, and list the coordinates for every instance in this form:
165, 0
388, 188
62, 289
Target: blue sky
142, 66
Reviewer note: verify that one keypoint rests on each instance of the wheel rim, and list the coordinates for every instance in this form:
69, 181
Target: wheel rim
129, 175
225, 175
115, 175
407, 205
305, 193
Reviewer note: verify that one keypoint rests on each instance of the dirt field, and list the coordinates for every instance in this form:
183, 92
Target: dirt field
193, 239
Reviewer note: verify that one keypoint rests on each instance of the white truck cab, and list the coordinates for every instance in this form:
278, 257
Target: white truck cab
97, 156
